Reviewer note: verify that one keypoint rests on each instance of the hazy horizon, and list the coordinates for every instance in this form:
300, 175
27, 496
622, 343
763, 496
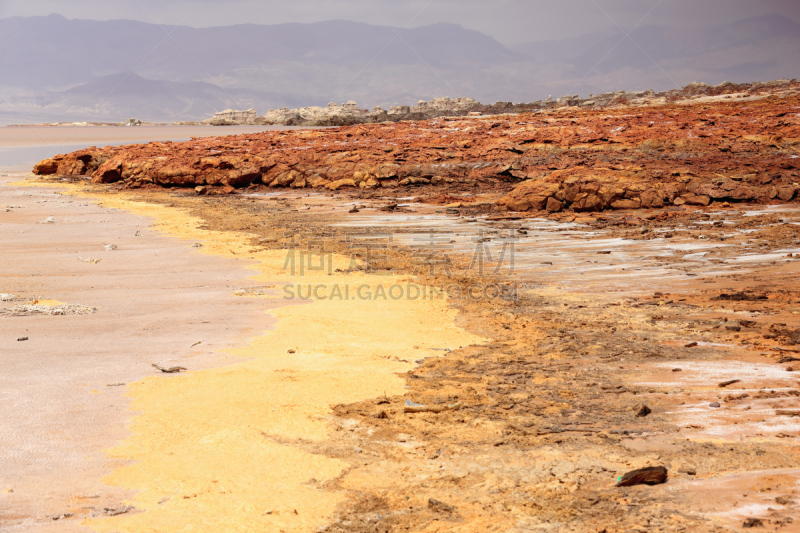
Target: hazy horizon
101, 61
532, 20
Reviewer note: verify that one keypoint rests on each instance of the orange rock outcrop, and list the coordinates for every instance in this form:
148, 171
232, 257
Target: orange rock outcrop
743, 148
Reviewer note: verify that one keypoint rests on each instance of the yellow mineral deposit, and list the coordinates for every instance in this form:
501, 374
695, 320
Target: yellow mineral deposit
46, 303
228, 449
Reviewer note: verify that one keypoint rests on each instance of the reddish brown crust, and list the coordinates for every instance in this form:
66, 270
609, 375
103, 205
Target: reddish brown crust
584, 160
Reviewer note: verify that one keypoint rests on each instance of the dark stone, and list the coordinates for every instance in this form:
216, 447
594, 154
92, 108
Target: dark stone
440, 507
740, 297
753, 522
653, 475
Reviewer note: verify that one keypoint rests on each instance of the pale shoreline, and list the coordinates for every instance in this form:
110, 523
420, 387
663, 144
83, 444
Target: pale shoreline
155, 296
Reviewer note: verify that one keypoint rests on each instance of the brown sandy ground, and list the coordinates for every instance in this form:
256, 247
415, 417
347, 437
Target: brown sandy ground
537, 426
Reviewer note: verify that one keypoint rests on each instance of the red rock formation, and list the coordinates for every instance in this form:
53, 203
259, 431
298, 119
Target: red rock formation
585, 160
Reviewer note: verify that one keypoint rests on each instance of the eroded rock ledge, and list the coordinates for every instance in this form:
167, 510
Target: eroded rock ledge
693, 152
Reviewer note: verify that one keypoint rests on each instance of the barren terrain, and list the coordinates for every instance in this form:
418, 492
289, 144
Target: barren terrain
652, 319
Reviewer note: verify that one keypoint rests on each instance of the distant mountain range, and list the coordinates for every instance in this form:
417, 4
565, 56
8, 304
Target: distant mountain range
59, 69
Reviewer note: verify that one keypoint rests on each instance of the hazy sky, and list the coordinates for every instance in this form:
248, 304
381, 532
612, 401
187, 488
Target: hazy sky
509, 21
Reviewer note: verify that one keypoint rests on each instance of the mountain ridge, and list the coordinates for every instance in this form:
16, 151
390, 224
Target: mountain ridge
295, 64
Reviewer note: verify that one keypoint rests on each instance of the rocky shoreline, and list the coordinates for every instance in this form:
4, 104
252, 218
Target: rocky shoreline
738, 147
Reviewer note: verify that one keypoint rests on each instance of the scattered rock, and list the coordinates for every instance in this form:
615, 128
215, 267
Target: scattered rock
643, 411
736, 397
411, 407
753, 522
691, 345
169, 370
440, 507
653, 475
714, 404
729, 382
58, 310
740, 297
22, 339
114, 511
